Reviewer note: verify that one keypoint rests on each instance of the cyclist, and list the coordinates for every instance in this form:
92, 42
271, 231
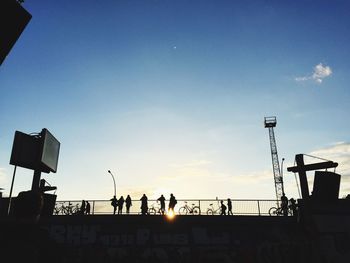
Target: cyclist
161, 199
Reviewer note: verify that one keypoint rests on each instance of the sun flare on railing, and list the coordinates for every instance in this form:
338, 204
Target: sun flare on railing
170, 215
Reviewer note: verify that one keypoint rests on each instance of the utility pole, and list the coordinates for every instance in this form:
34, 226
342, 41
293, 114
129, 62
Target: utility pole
270, 123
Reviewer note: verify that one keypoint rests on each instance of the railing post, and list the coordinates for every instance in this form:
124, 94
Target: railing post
93, 207
199, 204
258, 207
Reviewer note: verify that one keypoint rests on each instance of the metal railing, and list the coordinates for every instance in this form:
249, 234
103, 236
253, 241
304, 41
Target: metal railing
206, 207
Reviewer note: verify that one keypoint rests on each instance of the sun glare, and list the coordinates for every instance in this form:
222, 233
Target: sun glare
170, 215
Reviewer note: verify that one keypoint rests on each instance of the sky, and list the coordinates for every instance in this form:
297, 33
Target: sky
170, 96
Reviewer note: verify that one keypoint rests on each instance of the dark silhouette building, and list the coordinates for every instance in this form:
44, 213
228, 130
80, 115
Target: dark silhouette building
13, 20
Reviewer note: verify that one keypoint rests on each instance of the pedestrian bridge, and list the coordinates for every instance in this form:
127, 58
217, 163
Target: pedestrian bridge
246, 207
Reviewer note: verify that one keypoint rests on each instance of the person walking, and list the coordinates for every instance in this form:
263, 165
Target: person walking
128, 204
223, 208
229, 206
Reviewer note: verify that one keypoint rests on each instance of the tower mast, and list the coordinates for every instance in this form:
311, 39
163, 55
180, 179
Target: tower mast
270, 123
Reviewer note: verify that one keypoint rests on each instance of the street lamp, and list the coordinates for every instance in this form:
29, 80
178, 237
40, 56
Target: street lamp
282, 175
115, 194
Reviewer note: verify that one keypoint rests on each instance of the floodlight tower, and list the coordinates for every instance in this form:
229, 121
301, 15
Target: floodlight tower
270, 123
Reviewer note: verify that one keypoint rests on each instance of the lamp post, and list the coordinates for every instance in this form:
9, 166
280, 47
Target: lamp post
115, 194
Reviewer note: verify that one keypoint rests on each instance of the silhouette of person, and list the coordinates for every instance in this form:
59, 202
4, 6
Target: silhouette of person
114, 203
284, 204
293, 206
128, 204
82, 207
229, 206
144, 205
172, 203
223, 208
120, 205
161, 199
87, 210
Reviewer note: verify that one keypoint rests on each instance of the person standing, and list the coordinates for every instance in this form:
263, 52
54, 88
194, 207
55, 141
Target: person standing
293, 206
114, 203
128, 204
284, 204
82, 207
172, 203
161, 199
229, 206
144, 205
120, 205
87, 210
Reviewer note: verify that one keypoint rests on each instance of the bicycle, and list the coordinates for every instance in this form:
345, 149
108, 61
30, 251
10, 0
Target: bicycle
66, 210
186, 209
57, 210
278, 211
155, 209
212, 211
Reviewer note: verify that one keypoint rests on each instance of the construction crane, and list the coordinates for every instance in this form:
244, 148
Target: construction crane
270, 123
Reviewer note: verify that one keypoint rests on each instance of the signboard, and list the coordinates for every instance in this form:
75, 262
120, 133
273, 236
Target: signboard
37, 152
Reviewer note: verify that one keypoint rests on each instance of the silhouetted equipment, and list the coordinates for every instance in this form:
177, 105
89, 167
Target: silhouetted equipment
48, 205
33, 204
13, 20
320, 184
38, 152
326, 186
28, 205
44, 188
270, 123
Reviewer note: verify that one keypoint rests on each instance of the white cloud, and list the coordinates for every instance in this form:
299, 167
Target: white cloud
320, 72
340, 153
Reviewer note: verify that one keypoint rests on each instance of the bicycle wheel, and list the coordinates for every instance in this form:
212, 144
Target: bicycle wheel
290, 212
76, 211
183, 211
152, 211
273, 211
210, 212
196, 210
65, 211
56, 210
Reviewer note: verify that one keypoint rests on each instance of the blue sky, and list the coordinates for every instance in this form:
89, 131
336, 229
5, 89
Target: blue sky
171, 95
